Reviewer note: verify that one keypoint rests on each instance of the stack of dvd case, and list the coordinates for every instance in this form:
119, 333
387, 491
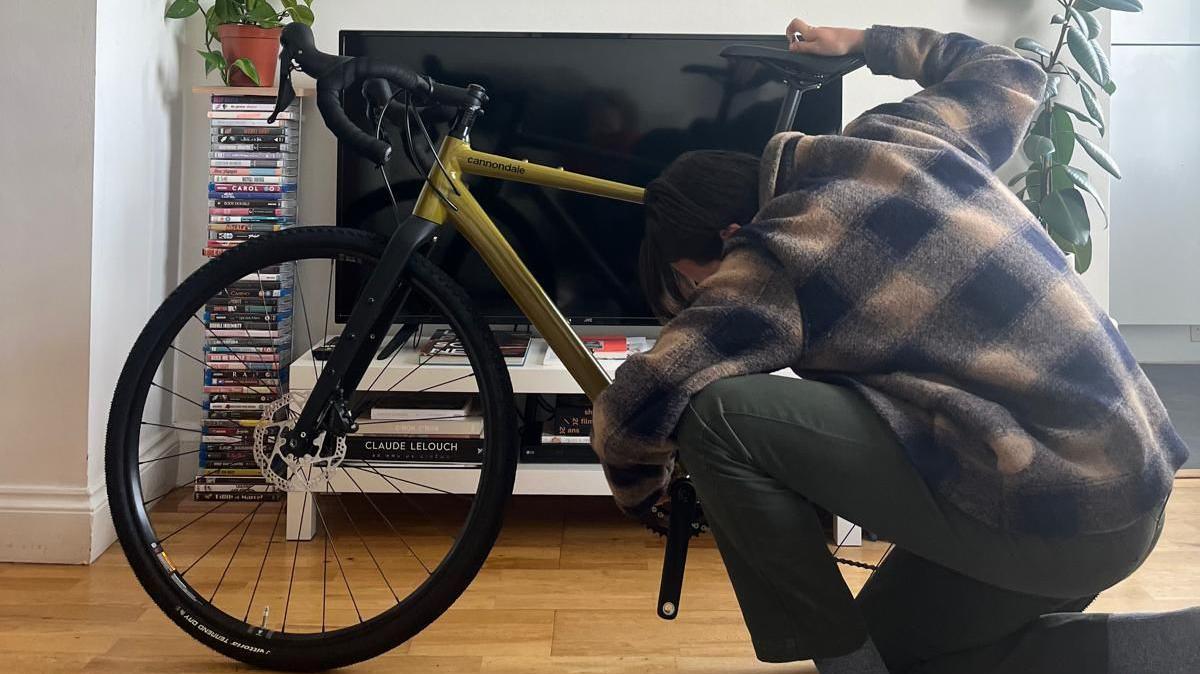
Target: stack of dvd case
253, 169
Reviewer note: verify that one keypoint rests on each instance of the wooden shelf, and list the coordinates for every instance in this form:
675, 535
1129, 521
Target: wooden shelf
301, 92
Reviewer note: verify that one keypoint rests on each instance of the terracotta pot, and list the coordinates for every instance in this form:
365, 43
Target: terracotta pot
260, 45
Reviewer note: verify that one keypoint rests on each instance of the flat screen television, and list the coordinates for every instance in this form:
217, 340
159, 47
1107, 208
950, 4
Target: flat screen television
616, 106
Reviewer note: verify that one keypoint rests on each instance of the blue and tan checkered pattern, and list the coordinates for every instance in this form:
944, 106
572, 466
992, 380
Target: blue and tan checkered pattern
891, 259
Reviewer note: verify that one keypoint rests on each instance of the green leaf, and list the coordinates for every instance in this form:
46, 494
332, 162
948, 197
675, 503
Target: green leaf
1110, 87
1062, 134
1059, 179
1093, 106
1117, 5
1021, 193
213, 60
243, 64
263, 13
1083, 256
1084, 54
1057, 19
1066, 215
1041, 125
1081, 115
287, 4
1092, 24
1102, 61
1037, 147
1034, 207
1019, 177
225, 11
1031, 45
1098, 155
301, 14
1080, 179
182, 9
308, 2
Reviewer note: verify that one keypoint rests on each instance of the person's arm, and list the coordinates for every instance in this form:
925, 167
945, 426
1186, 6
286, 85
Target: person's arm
744, 319
977, 96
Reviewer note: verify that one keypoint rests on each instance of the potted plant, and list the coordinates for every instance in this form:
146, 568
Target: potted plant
248, 31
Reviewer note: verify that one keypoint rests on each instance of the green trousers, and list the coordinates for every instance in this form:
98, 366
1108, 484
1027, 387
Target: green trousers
955, 596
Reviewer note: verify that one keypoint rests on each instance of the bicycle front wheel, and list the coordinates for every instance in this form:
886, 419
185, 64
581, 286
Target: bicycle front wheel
216, 543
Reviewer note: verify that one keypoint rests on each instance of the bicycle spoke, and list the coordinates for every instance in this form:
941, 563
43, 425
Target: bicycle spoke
388, 521
449, 381
295, 555
178, 428
235, 551
263, 564
308, 328
375, 470
206, 514
169, 491
364, 544
337, 558
220, 339
420, 364
178, 350
395, 353
223, 537
169, 456
160, 386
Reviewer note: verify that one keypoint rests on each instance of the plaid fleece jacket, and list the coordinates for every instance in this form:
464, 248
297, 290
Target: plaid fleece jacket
890, 259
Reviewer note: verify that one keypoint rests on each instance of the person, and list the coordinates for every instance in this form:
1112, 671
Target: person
960, 393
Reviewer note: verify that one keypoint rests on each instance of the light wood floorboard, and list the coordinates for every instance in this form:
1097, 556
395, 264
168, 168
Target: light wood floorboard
569, 589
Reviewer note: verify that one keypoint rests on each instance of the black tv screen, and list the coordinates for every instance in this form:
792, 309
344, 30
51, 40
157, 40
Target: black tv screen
615, 106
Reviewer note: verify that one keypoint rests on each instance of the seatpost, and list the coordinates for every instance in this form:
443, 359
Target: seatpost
791, 104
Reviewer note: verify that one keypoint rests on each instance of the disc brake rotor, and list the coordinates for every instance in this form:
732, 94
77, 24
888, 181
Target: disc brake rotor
310, 472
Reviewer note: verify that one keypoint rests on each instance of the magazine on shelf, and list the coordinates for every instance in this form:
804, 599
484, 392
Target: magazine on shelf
444, 348
607, 347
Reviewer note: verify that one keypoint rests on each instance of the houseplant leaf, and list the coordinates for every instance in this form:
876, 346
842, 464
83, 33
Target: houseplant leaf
1019, 177
181, 9
1080, 179
1037, 147
1031, 45
1098, 155
1083, 256
1059, 179
1118, 5
1066, 215
1102, 61
301, 14
1110, 87
1081, 115
1084, 54
1062, 134
1091, 23
1092, 105
213, 60
243, 64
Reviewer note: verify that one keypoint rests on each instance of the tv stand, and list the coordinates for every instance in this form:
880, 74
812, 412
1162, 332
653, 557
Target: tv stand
534, 376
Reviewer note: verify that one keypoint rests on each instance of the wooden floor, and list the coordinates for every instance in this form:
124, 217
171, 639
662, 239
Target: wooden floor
570, 588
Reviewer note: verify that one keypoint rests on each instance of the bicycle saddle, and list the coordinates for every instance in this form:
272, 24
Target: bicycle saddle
797, 68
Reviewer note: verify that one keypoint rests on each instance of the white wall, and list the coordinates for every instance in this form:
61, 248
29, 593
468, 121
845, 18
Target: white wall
135, 219
999, 21
45, 208
1156, 225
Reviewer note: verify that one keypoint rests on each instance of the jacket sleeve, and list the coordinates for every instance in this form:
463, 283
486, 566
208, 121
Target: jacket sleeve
744, 319
976, 96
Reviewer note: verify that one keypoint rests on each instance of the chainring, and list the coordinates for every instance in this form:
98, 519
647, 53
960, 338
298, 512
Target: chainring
658, 519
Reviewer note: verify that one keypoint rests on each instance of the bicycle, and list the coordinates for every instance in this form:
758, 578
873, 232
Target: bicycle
299, 443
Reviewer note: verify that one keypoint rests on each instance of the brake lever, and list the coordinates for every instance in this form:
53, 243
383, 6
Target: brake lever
286, 93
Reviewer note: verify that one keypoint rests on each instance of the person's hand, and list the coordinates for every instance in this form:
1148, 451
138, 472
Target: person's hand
823, 41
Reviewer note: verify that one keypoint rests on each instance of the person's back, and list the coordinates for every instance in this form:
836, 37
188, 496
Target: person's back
962, 393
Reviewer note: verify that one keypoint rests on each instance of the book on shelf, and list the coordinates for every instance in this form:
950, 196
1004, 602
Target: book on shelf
414, 449
572, 416
607, 347
444, 348
405, 406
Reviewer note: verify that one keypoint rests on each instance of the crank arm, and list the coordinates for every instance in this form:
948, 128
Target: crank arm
679, 534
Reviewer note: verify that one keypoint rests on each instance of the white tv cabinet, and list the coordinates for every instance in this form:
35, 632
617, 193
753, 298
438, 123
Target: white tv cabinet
534, 376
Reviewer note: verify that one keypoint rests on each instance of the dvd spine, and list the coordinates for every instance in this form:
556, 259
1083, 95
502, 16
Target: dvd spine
253, 188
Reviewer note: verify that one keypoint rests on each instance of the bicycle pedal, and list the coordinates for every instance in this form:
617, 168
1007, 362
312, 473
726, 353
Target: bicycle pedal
679, 534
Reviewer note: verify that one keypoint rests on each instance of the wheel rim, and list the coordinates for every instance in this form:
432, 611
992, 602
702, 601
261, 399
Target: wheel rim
211, 538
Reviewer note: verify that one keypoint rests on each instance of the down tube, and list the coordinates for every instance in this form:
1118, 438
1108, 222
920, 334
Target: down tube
481, 233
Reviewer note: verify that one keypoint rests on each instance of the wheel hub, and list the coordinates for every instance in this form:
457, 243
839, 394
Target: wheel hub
299, 466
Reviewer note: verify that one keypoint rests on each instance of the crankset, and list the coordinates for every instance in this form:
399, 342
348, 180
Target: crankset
683, 521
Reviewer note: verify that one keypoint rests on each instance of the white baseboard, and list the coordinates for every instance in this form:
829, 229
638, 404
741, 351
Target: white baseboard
72, 525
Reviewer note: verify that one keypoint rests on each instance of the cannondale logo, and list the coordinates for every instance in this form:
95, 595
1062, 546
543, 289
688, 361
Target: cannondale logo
511, 168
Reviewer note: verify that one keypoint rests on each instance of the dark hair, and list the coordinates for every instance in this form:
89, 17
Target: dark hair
687, 206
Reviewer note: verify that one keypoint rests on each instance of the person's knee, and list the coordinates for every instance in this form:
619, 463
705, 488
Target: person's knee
699, 429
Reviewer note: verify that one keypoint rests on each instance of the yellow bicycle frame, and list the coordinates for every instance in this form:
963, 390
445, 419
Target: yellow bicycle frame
459, 159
